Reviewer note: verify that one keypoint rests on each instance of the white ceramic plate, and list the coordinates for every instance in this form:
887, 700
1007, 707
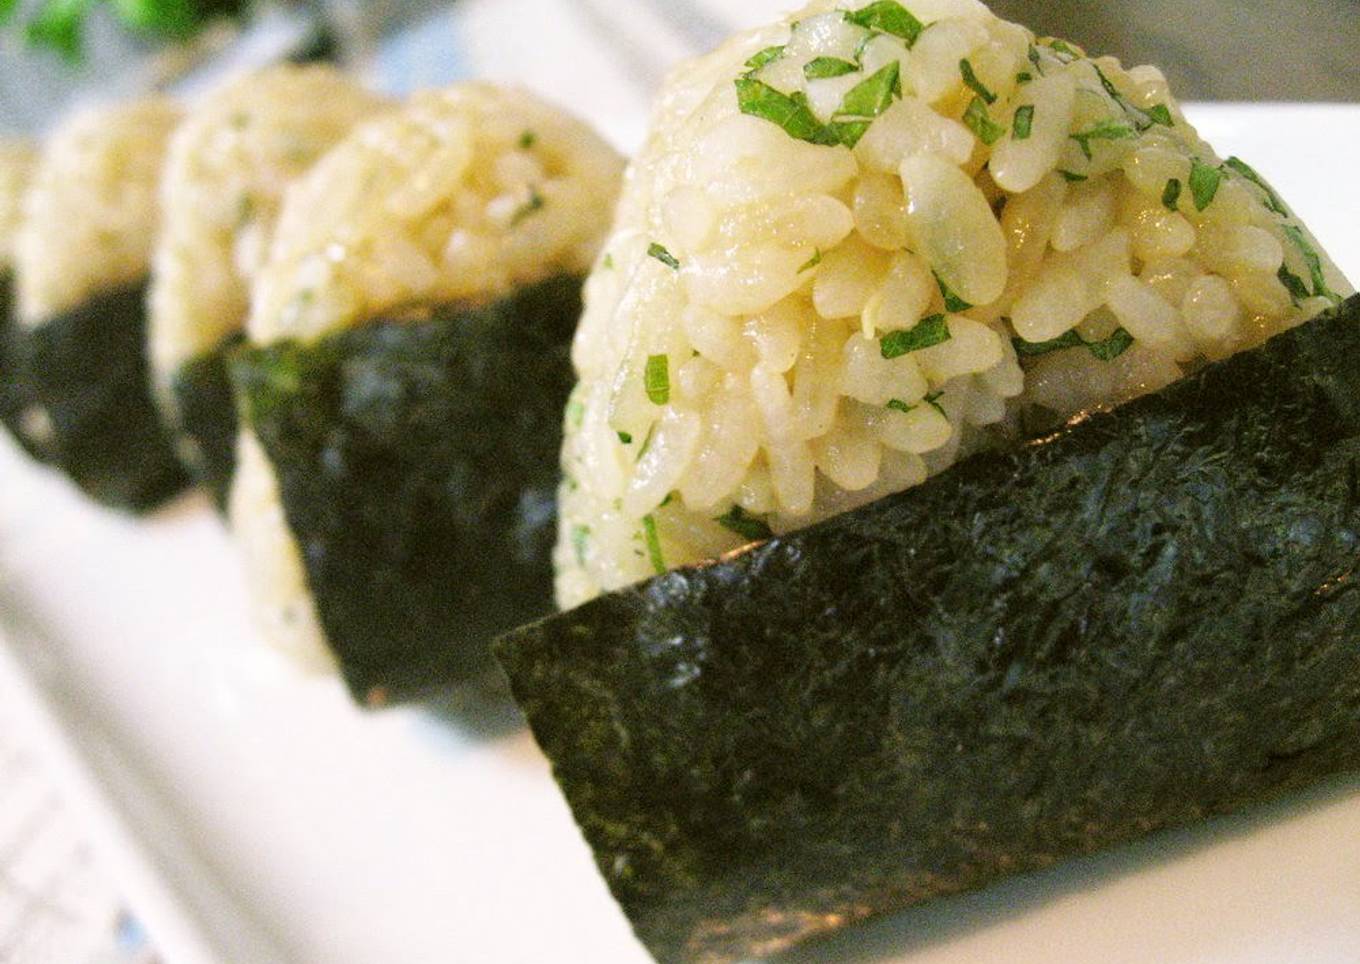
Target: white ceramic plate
255, 816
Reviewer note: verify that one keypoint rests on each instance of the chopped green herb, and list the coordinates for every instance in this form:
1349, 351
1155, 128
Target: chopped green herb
580, 540
1161, 114
653, 541
980, 123
647, 442
821, 68
1024, 123
1065, 49
1028, 349
933, 400
670, 497
1036, 60
657, 251
608, 263
873, 96
1298, 291
971, 79
626, 438
764, 57
1111, 348
528, 208
576, 414
812, 262
657, 379
1107, 349
1072, 177
888, 16
865, 101
1204, 182
1273, 201
788, 111
1171, 197
1310, 258
1106, 130
747, 526
927, 333
527, 140
952, 302
1024, 77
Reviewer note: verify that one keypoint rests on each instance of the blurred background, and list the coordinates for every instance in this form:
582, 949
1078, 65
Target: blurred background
54, 50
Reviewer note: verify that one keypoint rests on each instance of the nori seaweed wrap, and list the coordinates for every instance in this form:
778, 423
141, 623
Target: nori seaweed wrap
81, 265
859, 248
17, 160
404, 382
223, 183
1142, 620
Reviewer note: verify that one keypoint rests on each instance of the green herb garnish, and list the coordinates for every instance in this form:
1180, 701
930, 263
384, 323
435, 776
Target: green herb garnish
933, 400
1204, 182
888, 16
1161, 114
980, 122
821, 68
527, 140
1298, 291
1171, 197
1024, 77
812, 262
626, 438
1310, 258
657, 379
580, 539
653, 541
1063, 48
1072, 177
747, 526
928, 333
659, 252
789, 111
864, 102
608, 263
528, 208
952, 302
765, 57
576, 414
1106, 130
1036, 60
1107, 349
970, 78
1024, 123
1273, 200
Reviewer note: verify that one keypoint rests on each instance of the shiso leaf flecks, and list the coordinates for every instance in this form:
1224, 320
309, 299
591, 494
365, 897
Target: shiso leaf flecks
1002, 668
417, 463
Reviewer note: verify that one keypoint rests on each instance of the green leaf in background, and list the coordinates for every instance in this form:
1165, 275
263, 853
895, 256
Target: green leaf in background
169, 18
7, 8
59, 26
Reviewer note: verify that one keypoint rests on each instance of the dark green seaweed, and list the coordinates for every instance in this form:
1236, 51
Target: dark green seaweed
1150, 617
418, 465
89, 373
16, 384
205, 419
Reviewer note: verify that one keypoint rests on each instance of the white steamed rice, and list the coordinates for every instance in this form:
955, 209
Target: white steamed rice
733, 358
228, 166
91, 215
462, 195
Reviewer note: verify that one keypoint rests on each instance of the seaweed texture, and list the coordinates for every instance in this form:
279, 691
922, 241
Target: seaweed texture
88, 371
418, 466
205, 418
1147, 618
16, 385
